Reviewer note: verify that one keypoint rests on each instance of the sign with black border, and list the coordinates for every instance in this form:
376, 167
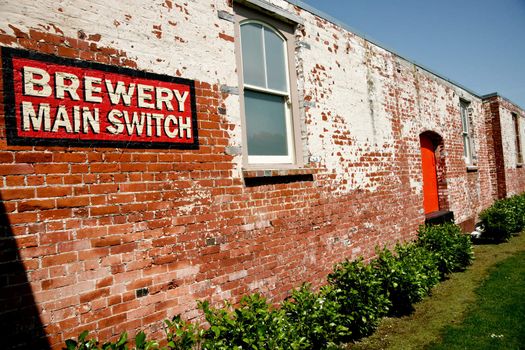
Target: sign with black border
58, 101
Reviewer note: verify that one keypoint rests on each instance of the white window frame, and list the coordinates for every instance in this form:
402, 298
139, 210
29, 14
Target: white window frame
467, 135
288, 159
286, 32
517, 138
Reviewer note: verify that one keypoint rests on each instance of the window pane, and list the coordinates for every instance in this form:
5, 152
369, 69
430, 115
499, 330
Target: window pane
252, 54
275, 61
265, 124
464, 117
517, 141
466, 147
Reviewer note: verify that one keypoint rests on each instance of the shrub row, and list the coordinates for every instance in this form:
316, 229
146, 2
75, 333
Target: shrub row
349, 307
503, 218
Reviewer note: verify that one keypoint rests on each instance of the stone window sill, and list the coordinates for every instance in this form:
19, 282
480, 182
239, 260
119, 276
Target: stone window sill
519, 165
250, 173
261, 177
472, 168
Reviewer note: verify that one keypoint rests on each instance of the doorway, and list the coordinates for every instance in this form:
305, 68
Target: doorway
430, 179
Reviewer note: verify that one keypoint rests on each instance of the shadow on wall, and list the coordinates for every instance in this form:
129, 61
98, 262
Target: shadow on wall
20, 323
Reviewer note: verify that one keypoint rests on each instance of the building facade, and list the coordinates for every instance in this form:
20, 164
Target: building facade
277, 143
505, 129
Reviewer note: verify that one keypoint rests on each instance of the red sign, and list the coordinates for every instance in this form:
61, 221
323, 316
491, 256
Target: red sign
52, 100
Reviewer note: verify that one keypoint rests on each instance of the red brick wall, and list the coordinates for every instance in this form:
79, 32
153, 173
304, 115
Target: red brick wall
91, 226
112, 239
514, 173
87, 230
497, 168
508, 177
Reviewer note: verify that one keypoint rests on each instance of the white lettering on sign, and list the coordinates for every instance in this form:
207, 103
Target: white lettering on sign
34, 86
37, 83
143, 94
164, 95
185, 126
171, 132
158, 122
90, 120
70, 121
92, 85
116, 126
33, 121
115, 94
61, 87
181, 99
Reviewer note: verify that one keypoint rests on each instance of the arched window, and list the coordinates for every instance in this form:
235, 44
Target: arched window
266, 91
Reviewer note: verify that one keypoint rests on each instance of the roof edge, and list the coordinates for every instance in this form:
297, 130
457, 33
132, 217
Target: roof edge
497, 94
345, 26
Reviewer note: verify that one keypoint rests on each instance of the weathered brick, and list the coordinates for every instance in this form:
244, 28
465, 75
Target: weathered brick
15, 169
67, 202
96, 294
95, 224
57, 282
106, 241
34, 157
19, 193
54, 191
58, 259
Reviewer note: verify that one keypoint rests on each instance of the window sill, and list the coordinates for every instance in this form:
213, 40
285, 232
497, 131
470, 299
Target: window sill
255, 173
472, 168
262, 177
519, 165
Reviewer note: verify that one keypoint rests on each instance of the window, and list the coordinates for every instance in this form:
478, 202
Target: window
268, 89
468, 149
515, 121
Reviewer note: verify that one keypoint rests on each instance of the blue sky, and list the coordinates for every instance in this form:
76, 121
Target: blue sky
479, 44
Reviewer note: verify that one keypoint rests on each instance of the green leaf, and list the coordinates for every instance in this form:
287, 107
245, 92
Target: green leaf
216, 331
140, 339
123, 339
83, 336
71, 344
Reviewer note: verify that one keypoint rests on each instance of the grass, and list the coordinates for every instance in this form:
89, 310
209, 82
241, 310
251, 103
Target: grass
496, 321
449, 305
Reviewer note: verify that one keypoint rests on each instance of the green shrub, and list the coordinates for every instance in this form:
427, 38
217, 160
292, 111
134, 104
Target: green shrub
422, 263
182, 335
83, 343
361, 299
451, 248
315, 316
497, 223
348, 308
406, 277
504, 218
518, 203
252, 325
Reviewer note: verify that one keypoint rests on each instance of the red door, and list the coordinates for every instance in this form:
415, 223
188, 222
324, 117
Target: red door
430, 189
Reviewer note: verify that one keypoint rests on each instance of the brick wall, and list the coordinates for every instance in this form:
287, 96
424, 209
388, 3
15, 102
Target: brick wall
114, 239
508, 174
